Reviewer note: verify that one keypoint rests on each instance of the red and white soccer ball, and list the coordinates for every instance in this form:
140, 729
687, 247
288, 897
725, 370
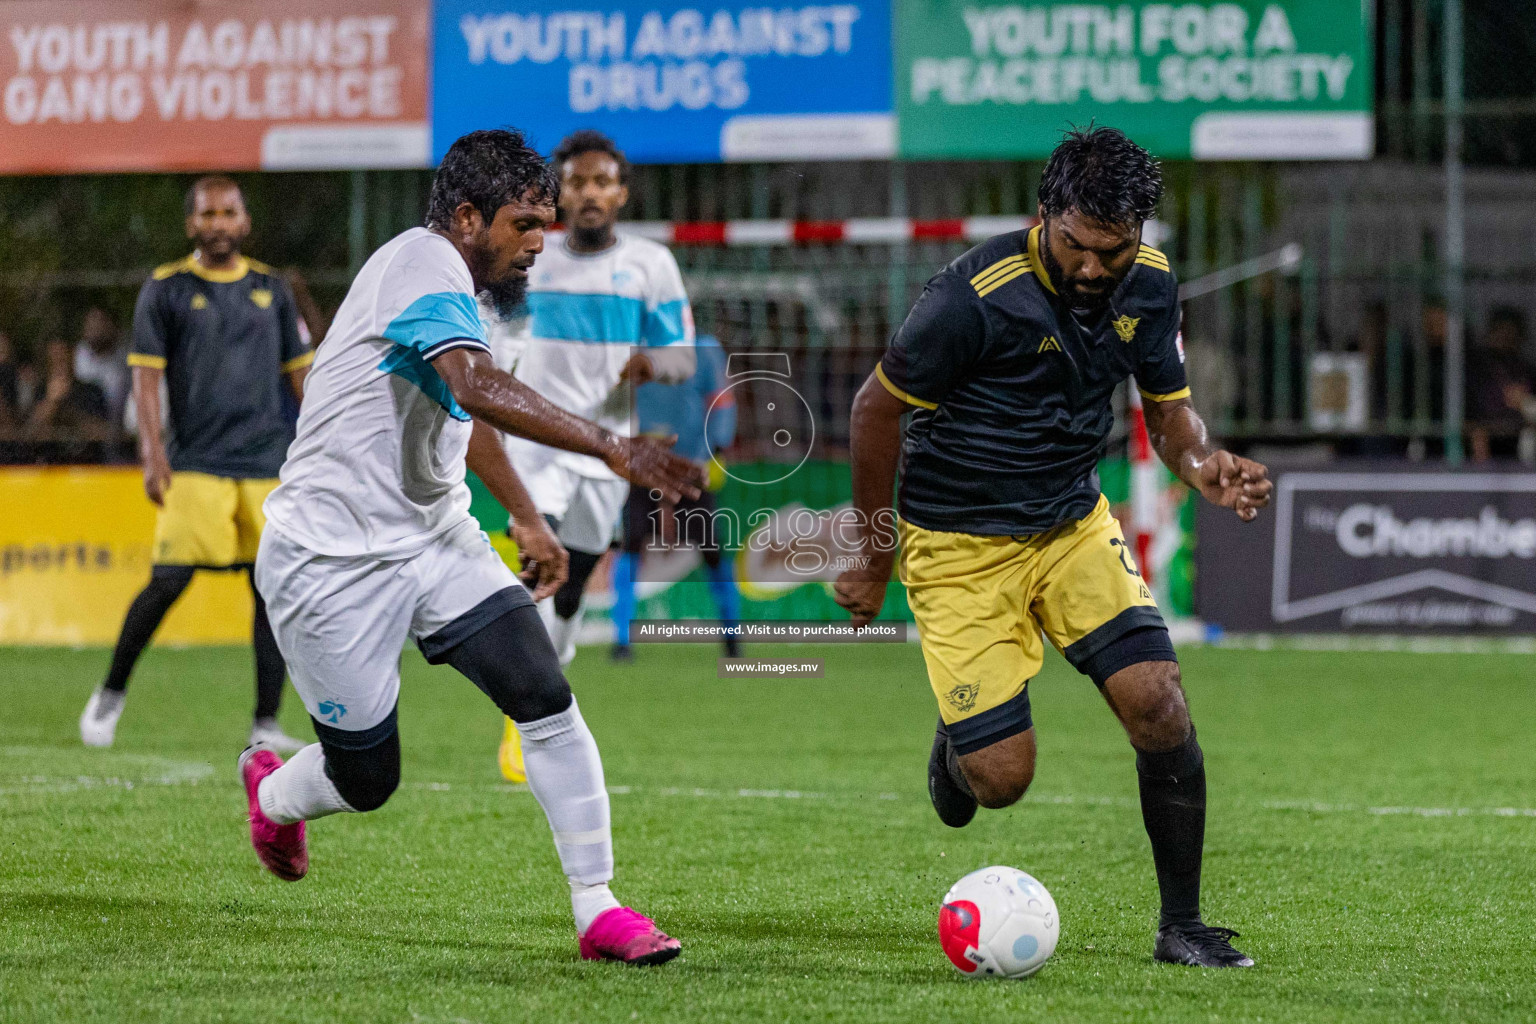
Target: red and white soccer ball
998, 922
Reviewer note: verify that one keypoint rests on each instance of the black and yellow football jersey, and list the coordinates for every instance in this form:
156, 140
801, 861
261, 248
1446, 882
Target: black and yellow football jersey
1012, 386
224, 340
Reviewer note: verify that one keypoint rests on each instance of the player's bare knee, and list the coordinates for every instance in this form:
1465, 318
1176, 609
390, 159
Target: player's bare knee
999, 774
1161, 721
1000, 788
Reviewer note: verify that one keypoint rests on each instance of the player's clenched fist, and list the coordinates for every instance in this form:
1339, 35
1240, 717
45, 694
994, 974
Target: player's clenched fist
157, 476
546, 565
1236, 483
862, 591
649, 462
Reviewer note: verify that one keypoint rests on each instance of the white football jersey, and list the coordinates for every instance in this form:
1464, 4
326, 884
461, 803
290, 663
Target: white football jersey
588, 313
377, 467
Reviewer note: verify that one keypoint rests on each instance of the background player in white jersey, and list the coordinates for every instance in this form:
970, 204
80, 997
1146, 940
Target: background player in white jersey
607, 313
370, 538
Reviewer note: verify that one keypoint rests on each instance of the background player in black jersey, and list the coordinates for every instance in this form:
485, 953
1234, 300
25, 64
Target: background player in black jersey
1008, 363
221, 332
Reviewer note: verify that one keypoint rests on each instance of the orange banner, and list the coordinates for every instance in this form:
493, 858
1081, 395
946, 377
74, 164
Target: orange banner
183, 85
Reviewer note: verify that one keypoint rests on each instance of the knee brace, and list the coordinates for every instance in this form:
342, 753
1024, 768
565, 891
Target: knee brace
363, 766
514, 663
568, 597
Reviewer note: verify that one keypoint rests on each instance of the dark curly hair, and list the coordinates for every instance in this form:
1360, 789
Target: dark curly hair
1101, 173
589, 140
189, 203
489, 169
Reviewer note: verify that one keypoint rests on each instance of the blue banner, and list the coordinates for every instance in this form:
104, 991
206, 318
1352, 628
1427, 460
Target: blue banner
671, 83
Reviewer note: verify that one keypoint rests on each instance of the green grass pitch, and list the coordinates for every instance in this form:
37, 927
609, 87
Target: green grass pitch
1371, 835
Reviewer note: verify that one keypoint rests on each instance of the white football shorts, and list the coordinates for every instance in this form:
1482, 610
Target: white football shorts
587, 508
341, 621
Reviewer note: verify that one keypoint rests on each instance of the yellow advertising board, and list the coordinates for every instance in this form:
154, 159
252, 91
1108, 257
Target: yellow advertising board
75, 549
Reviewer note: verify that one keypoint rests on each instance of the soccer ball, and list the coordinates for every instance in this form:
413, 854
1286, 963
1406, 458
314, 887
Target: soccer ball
998, 922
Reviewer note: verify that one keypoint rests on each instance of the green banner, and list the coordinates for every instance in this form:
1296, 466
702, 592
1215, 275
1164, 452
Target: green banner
1242, 80
821, 485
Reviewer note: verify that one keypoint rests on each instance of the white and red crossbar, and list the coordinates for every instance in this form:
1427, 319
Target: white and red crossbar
872, 230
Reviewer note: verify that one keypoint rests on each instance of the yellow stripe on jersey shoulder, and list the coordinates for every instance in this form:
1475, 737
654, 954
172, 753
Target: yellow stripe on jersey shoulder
999, 268
299, 362
997, 282
1150, 257
893, 389
259, 267
172, 268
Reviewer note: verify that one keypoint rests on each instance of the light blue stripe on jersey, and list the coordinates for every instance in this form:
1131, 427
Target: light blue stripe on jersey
406, 362
665, 325
619, 319
570, 316
435, 319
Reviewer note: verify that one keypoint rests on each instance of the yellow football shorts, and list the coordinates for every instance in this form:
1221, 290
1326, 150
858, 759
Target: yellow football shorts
981, 604
212, 522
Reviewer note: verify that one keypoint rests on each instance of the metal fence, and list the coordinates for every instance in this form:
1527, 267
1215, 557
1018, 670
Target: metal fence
1322, 316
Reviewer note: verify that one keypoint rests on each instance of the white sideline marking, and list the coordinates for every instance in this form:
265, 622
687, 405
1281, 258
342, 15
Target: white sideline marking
136, 770
1061, 799
164, 771
1386, 642
1417, 812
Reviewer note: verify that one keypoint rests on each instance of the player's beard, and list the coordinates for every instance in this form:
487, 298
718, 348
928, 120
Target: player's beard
218, 246
509, 296
1077, 299
592, 239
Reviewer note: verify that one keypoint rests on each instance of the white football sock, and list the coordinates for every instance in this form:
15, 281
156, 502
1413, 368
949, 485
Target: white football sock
562, 632
588, 902
300, 790
565, 775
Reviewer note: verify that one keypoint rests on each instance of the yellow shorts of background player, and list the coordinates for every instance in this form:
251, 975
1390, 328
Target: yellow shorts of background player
981, 604
212, 522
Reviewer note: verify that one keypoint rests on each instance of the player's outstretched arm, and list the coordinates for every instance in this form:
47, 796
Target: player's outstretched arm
1179, 437
874, 442
545, 562
509, 405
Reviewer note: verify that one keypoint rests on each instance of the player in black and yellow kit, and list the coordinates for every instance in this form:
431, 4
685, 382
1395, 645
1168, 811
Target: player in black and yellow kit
1008, 364
221, 332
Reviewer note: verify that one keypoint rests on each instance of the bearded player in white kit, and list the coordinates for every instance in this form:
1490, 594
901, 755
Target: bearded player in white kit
370, 540
607, 313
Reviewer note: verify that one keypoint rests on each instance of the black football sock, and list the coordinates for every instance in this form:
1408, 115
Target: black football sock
1173, 809
166, 583
270, 668
952, 762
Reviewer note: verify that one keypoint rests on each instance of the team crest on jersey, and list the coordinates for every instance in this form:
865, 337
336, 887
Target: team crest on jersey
199, 301
963, 697
1049, 344
262, 297
1125, 326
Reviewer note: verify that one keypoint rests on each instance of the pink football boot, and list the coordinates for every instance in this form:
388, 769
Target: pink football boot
280, 848
629, 937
